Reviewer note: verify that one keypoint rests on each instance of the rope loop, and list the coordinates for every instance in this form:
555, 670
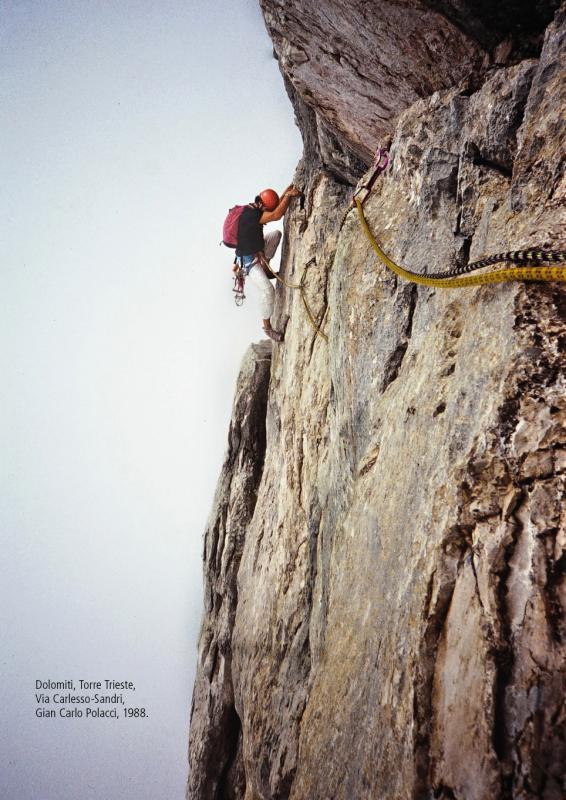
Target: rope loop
451, 279
301, 287
532, 264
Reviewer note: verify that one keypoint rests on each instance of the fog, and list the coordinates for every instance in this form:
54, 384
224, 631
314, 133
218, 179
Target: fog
128, 129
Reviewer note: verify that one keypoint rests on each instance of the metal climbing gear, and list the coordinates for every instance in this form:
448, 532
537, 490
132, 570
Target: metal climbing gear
526, 261
239, 284
380, 162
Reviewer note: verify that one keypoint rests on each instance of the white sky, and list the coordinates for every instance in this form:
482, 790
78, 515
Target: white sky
127, 129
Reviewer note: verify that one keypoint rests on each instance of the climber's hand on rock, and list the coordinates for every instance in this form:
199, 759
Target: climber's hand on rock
292, 191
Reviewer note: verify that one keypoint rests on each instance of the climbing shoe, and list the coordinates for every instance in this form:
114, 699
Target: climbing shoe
275, 335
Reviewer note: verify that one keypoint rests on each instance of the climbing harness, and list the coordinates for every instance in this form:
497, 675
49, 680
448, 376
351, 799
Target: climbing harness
240, 280
239, 284
531, 264
526, 261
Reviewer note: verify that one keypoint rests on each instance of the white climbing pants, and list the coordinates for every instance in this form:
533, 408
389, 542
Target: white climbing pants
265, 291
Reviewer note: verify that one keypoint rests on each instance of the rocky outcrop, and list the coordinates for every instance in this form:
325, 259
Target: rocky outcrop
215, 739
359, 64
397, 629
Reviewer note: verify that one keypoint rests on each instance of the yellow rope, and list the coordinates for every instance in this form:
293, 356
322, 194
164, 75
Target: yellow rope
311, 318
280, 279
301, 288
553, 273
538, 273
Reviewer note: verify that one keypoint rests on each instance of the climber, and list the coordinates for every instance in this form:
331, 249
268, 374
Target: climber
255, 250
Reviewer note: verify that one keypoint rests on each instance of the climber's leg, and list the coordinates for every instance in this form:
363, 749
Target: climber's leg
266, 299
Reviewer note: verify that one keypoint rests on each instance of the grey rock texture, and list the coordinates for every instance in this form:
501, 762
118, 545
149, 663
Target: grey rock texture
511, 23
360, 64
393, 625
217, 747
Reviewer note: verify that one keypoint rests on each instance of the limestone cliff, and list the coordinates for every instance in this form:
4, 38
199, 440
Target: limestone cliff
385, 562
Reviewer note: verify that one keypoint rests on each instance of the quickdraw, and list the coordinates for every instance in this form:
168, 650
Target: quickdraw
526, 261
239, 284
239, 296
380, 162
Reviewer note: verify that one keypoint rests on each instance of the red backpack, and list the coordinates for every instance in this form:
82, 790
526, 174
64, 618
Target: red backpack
230, 228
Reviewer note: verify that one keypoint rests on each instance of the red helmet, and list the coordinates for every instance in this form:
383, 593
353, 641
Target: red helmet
270, 199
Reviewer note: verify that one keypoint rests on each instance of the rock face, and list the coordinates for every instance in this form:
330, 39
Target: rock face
217, 748
360, 64
385, 563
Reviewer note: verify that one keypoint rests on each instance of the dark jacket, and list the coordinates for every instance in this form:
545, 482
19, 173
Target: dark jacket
250, 232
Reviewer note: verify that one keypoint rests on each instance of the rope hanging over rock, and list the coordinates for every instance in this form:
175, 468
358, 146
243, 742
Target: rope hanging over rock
532, 264
301, 287
526, 261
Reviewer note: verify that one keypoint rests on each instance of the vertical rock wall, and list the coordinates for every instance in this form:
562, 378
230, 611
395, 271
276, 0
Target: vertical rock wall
215, 740
397, 628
